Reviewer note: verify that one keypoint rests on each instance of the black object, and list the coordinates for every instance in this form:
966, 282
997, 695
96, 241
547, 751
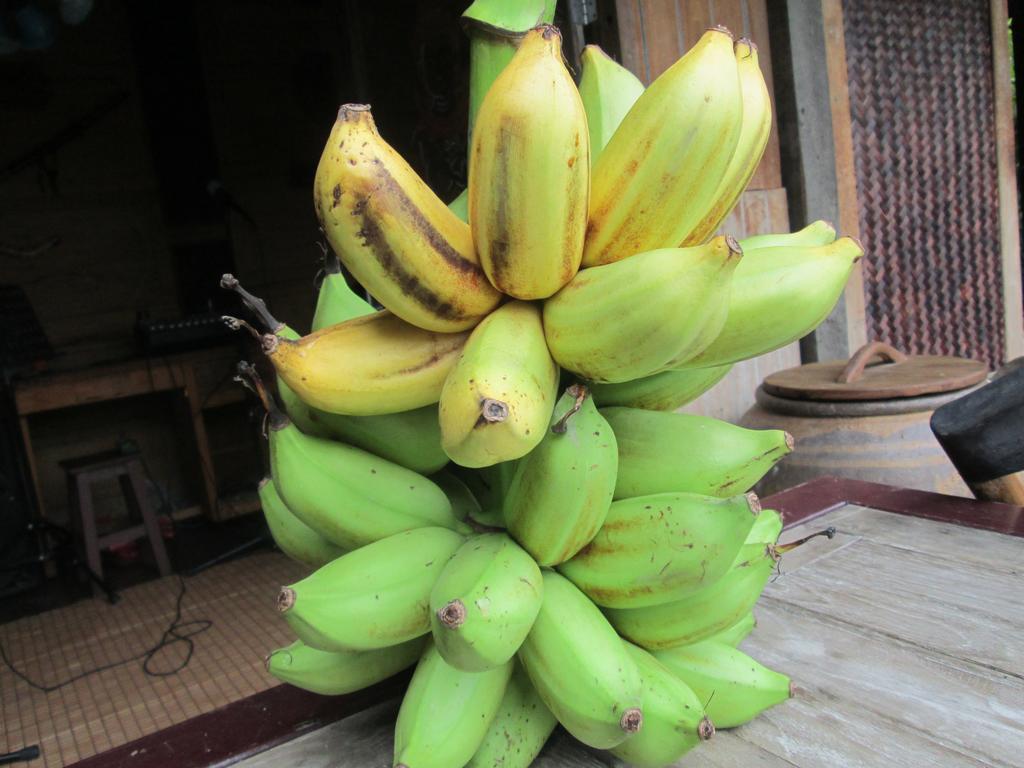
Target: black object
23, 340
983, 434
22, 755
193, 332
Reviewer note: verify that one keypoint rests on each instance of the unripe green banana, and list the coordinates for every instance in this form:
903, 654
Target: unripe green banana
674, 719
519, 730
465, 505
292, 536
736, 688
663, 391
635, 317
484, 603
489, 485
737, 633
699, 615
816, 233
336, 302
657, 177
765, 532
580, 668
663, 452
393, 233
779, 298
497, 399
529, 172
374, 597
753, 138
608, 91
561, 490
460, 205
336, 672
446, 712
656, 549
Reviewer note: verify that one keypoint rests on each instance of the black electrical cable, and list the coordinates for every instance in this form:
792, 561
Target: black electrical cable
172, 635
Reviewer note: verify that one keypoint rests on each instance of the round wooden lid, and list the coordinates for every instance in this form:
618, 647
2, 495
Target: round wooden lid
896, 375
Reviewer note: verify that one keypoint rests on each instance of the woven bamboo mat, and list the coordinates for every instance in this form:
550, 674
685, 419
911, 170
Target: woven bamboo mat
113, 707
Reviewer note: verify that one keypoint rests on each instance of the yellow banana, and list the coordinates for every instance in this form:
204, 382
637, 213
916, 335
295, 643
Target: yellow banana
663, 391
484, 603
498, 397
396, 237
519, 730
608, 90
657, 178
529, 172
753, 138
336, 672
655, 549
674, 719
446, 712
581, 669
374, 597
633, 318
292, 536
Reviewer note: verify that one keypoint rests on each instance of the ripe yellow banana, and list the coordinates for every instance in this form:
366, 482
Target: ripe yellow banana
816, 233
498, 397
663, 452
366, 366
336, 672
581, 669
655, 549
736, 688
374, 597
292, 536
658, 176
561, 490
529, 172
663, 391
608, 90
674, 719
635, 317
753, 138
446, 712
777, 296
484, 603
396, 237
519, 730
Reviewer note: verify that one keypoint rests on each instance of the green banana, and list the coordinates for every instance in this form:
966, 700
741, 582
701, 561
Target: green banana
736, 688
336, 672
519, 730
656, 549
780, 295
663, 391
608, 91
497, 399
817, 233
580, 668
460, 205
657, 177
765, 532
663, 452
464, 503
737, 633
348, 495
489, 485
637, 316
336, 302
484, 603
374, 597
674, 719
292, 536
559, 495
529, 172
446, 712
753, 138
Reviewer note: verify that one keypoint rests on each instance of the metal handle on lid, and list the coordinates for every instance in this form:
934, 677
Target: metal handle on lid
858, 362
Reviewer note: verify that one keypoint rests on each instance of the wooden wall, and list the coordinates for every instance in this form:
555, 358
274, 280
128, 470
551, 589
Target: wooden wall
652, 35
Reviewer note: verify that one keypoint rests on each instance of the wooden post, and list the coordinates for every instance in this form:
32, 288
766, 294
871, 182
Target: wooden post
1009, 224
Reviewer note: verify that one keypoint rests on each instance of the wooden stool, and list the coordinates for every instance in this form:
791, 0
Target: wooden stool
127, 468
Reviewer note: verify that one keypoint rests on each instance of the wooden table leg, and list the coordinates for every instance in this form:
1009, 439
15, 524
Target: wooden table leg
195, 409
30, 457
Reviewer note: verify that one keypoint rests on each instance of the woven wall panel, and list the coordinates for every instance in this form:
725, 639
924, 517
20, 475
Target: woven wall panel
921, 102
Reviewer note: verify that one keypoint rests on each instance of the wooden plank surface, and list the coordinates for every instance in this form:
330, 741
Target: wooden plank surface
899, 634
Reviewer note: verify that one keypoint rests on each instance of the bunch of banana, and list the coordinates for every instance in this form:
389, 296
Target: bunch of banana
591, 559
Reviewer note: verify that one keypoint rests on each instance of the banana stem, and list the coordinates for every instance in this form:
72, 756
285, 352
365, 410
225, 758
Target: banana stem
578, 391
235, 324
255, 304
782, 549
250, 378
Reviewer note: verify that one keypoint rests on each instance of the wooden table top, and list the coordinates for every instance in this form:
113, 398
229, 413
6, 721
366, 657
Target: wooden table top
905, 637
